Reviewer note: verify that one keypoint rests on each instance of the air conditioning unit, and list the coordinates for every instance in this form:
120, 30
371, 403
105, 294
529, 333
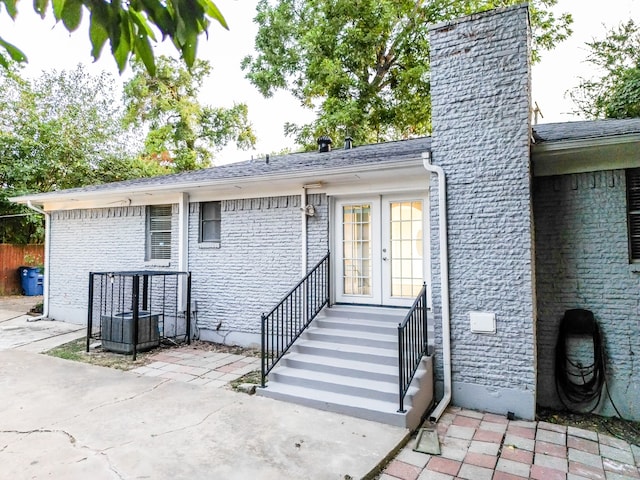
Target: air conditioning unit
117, 332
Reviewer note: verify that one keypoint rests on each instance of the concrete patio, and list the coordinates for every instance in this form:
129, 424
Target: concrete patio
176, 417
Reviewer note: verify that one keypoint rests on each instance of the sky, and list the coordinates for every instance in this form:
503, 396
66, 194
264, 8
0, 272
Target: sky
48, 46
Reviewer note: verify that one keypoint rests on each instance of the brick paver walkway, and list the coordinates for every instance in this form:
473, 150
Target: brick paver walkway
200, 367
479, 446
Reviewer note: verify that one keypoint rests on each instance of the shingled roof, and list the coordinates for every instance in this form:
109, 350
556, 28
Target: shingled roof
363, 156
554, 132
297, 163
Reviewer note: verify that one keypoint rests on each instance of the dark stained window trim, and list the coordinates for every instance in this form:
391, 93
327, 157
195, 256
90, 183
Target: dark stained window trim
633, 213
210, 222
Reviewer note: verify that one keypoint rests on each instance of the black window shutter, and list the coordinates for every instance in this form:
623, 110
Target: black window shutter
633, 211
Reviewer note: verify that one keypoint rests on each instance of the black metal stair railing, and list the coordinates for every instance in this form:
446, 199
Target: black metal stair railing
286, 322
412, 344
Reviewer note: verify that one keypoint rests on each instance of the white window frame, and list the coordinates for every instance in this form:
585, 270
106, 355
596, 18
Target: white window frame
153, 211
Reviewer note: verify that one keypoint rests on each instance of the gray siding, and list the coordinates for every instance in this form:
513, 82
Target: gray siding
94, 240
480, 99
258, 261
582, 261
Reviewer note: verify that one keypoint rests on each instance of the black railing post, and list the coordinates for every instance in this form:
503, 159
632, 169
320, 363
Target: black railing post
400, 369
188, 309
136, 316
328, 279
90, 311
425, 323
264, 344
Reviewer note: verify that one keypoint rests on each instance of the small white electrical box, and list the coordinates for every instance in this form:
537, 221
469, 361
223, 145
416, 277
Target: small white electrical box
482, 322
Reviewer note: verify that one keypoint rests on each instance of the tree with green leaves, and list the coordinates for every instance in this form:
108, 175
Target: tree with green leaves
364, 64
61, 130
616, 92
128, 26
182, 133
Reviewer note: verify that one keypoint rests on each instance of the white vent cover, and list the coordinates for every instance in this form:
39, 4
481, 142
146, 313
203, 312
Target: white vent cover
482, 322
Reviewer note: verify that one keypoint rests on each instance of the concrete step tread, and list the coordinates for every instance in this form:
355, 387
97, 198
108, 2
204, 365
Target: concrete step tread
359, 312
342, 363
343, 347
317, 330
338, 322
373, 405
336, 379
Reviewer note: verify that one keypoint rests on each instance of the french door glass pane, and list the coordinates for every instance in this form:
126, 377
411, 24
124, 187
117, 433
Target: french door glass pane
356, 249
406, 248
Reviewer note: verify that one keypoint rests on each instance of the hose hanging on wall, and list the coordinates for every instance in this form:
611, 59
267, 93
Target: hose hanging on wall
577, 384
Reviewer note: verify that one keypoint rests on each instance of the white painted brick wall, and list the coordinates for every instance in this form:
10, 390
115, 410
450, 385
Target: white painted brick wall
257, 263
582, 261
317, 229
95, 240
480, 99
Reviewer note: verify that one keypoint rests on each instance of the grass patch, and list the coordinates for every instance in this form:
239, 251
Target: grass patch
76, 351
254, 377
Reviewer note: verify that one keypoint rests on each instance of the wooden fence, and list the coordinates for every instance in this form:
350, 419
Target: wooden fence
12, 257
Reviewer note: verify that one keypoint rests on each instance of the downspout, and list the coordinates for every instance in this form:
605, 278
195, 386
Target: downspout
183, 246
303, 204
47, 243
444, 284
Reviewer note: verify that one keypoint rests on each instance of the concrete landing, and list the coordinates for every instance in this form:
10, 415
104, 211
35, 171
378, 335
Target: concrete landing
62, 419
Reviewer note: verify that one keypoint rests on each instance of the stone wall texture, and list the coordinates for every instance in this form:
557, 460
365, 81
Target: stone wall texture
480, 99
582, 261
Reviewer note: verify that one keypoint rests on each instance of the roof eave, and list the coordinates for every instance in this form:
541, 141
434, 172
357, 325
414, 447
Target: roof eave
299, 176
568, 156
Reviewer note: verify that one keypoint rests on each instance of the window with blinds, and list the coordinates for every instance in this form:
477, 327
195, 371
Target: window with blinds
159, 232
633, 212
210, 222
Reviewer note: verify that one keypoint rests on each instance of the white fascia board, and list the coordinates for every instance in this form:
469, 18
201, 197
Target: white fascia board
586, 155
265, 185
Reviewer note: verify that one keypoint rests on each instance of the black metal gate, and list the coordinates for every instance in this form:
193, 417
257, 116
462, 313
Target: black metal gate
137, 310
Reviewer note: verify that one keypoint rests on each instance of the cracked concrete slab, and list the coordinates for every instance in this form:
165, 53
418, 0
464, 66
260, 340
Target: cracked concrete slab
61, 419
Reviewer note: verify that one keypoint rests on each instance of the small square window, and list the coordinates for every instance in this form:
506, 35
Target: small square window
210, 222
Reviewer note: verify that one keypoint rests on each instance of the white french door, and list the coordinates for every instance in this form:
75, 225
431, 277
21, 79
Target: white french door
380, 250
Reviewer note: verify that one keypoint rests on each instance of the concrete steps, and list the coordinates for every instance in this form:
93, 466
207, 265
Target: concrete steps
347, 362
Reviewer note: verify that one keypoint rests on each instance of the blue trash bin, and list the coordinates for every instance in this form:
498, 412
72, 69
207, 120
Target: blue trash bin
31, 281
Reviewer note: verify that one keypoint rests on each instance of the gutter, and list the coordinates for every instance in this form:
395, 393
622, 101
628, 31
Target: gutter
444, 284
47, 244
